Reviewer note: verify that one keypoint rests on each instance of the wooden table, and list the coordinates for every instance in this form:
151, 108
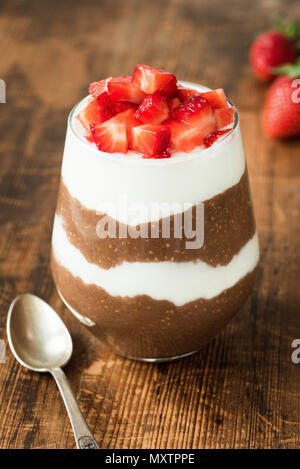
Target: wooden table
242, 390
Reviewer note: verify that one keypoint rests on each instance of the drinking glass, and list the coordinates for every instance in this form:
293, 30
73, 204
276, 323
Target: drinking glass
155, 256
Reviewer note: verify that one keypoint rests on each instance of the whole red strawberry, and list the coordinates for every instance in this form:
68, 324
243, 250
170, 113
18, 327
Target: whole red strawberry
269, 50
274, 48
281, 113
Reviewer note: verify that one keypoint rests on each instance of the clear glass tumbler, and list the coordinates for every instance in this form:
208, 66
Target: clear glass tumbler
154, 255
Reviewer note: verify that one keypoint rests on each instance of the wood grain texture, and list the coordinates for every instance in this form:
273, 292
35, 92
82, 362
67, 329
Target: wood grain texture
242, 390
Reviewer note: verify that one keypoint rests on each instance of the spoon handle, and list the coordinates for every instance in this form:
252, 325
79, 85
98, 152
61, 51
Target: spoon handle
83, 436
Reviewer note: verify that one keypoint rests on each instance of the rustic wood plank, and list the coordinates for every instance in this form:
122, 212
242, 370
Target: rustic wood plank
241, 390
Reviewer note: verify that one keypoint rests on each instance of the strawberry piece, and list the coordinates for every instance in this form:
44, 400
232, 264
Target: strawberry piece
107, 106
197, 112
150, 80
224, 117
281, 113
214, 136
270, 50
154, 109
124, 105
89, 115
98, 87
110, 136
216, 98
123, 89
97, 111
183, 136
128, 119
165, 154
89, 136
173, 104
185, 93
150, 139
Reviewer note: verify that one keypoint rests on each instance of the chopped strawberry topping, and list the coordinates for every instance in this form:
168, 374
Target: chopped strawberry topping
123, 105
114, 128
123, 89
190, 110
165, 154
110, 136
98, 87
183, 136
173, 104
150, 80
89, 136
106, 106
128, 119
152, 114
185, 93
224, 116
197, 112
154, 109
216, 98
97, 111
211, 138
89, 115
150, 139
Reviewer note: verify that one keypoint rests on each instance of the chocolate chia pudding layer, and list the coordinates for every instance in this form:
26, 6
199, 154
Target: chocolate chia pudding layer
222, 240
142, 327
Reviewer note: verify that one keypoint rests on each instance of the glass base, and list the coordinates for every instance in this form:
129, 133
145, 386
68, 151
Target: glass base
159, 360
88, 322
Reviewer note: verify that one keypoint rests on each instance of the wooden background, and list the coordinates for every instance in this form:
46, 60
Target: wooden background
242, 390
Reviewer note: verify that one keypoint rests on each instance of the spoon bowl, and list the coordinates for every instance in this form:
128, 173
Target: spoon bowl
36, 334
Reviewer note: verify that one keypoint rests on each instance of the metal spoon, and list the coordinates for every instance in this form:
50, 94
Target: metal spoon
41, 342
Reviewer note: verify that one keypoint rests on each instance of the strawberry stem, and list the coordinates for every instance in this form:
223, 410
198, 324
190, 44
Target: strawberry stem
292, 70
290, 30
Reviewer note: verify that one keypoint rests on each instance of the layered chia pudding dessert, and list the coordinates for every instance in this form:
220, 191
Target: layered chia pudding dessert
154, 243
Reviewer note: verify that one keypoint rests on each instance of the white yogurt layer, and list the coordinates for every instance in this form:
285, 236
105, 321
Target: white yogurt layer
178, 282
102, 181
